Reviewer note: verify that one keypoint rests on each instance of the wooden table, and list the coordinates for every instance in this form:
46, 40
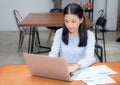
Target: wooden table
45, 20
20, 75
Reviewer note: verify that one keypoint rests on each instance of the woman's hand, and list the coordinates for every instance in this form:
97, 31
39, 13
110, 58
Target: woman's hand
73, 68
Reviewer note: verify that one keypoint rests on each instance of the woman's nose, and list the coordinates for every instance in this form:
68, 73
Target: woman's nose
69, 24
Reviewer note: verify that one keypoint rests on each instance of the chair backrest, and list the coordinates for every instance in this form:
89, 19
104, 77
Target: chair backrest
101, 21
18, 19
56, 10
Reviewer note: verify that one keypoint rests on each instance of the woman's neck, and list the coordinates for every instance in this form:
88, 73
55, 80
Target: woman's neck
73, 35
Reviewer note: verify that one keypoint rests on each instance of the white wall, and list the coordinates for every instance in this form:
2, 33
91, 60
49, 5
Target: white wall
119, 7
98, 5
7, 22
65, 2
112, 13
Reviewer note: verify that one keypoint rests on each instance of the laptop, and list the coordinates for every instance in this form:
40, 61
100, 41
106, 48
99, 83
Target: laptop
48, 67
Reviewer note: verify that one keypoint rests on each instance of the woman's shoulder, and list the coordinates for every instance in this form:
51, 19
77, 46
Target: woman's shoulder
59, 31
90, 32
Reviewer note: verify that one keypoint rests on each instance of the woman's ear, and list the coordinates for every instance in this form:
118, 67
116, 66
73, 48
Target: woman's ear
81, 20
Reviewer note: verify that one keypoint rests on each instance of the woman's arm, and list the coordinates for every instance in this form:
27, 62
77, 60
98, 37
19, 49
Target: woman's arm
55, 49
89, 54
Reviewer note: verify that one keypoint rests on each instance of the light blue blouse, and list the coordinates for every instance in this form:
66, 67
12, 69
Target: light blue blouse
71, 52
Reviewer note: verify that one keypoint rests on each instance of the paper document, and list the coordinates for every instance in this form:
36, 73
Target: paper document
94, 71
95, 74
99, 80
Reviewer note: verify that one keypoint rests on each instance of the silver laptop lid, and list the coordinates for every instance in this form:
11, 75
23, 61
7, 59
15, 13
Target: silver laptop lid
45, 66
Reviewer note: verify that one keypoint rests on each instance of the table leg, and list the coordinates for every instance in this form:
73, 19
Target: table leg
32, 38
29, 44
40, 46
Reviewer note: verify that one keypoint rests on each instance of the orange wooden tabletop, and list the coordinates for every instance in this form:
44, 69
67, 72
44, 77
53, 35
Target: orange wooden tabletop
20, 75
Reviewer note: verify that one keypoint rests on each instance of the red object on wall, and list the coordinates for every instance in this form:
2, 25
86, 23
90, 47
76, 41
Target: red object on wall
89, 5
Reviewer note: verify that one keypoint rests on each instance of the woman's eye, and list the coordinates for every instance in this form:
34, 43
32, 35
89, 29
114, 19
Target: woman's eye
73, 21
66, 21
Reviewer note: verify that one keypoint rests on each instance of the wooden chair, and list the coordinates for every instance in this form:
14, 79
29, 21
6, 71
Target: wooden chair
53, 29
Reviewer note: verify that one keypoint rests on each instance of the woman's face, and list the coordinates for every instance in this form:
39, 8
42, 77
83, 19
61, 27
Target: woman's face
72, 22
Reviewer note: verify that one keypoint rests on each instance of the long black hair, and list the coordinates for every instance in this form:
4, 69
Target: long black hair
74, 8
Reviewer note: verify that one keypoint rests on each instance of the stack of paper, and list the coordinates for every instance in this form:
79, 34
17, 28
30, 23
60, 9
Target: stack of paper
95, 75
98, 80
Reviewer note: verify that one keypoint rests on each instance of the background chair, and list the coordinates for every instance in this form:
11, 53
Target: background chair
100, 28
99, 52
53, 29
24, 31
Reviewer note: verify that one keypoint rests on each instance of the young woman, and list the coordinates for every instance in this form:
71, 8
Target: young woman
74, 42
